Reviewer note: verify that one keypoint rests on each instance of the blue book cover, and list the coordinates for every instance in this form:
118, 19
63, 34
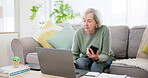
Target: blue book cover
9, 71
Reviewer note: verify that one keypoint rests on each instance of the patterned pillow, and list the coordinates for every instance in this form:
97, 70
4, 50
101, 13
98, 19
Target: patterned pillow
44, 33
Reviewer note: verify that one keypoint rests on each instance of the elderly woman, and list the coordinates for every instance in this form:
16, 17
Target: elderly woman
92, 33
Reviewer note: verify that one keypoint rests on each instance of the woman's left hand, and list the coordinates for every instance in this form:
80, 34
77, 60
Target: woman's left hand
92, 55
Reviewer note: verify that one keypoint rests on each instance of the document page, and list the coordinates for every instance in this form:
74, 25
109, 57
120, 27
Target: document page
106, 75
91, 75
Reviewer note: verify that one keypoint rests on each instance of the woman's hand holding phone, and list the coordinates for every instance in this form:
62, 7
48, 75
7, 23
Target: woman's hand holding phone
95, 49
92, 54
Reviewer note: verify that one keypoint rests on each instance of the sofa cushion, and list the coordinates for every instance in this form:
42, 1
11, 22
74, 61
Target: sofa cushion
135, 36
119, 37
128, 70
63, 39
45, 32
32, 58
75, 26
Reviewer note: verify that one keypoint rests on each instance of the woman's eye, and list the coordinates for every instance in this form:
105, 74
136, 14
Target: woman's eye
89, 21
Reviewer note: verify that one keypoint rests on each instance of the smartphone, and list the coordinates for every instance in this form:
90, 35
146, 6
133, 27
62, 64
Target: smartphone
95, 49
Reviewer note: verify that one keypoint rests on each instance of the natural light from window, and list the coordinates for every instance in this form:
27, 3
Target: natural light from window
7, 21
114, 12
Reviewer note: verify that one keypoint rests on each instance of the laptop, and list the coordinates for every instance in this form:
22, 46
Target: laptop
58, 62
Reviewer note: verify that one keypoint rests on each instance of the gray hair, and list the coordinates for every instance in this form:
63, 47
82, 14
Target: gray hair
96, 14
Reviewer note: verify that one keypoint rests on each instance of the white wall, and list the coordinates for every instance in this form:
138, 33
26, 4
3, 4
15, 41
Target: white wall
6, 53
114, 12
27, 28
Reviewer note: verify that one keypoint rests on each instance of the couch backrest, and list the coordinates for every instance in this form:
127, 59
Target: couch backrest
125, 41
135, 36
119, 38
75, 26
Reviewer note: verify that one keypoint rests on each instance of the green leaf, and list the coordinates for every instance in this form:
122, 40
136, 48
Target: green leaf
52, 14
33, 16
16, 58
34, 10
63, 12
42, 22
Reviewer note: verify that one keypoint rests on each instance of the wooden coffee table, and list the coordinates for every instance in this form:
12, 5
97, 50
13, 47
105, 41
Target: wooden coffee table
38, 74
35, 74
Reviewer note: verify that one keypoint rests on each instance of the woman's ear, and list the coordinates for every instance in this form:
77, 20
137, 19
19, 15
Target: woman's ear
97, 25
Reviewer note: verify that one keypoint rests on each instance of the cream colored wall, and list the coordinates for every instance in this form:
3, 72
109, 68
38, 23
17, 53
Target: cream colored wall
6, 53
27, 27
23, 24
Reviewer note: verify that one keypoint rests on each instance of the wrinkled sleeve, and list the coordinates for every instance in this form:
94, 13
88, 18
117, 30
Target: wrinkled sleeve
75, 47
104, 56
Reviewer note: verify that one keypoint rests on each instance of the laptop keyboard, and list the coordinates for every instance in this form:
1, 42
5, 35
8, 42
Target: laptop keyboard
77, 72
80, 72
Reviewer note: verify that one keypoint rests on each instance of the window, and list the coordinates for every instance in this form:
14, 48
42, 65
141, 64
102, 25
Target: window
114, 12
7, 21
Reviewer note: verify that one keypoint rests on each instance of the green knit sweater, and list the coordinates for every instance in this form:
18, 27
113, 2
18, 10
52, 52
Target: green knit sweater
100, 38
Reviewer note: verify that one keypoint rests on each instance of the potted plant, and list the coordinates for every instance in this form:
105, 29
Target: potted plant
16, 61
63, 12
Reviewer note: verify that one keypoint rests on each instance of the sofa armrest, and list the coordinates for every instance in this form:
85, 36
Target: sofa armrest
22, 46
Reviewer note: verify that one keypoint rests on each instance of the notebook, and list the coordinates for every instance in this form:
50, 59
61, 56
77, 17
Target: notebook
58, 62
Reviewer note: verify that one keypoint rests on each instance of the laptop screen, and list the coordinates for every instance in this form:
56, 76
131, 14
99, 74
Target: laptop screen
56, 62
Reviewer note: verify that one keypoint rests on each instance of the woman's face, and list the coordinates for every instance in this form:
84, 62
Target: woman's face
89, 23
